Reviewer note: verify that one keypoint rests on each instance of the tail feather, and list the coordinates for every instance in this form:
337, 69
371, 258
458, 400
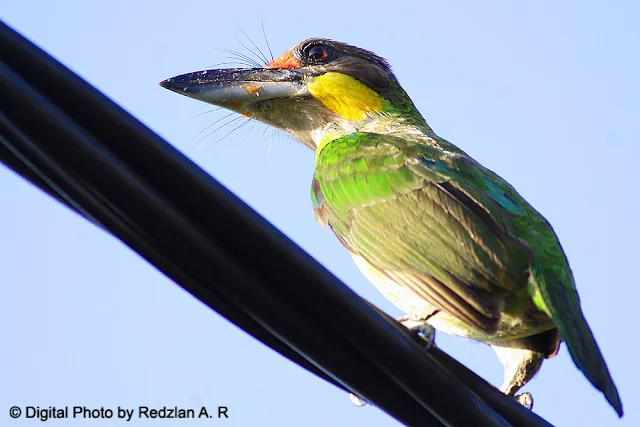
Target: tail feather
563, 305
587, 356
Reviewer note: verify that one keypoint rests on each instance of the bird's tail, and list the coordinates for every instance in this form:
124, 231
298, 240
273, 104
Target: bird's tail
563, 305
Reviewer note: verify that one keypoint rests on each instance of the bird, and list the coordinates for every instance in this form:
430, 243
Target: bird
446, 240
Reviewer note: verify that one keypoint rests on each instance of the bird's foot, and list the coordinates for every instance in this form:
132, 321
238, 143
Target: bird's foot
416, 322
525, 399
425, 335
357, 400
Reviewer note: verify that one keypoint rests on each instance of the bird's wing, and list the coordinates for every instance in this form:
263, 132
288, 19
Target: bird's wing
429, 220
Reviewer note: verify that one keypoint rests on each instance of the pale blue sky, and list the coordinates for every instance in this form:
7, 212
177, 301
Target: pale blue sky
547, 95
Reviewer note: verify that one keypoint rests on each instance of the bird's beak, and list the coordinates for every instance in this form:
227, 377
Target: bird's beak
237, 88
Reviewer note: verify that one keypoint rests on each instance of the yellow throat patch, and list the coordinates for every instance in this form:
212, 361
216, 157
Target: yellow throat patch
346, 96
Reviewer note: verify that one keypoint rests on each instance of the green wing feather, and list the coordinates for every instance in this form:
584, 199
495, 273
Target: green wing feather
395, 204
455, 233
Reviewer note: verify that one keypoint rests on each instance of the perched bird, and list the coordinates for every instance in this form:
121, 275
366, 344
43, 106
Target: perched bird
445, 239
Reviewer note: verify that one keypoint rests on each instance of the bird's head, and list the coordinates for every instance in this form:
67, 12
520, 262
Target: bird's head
316, 89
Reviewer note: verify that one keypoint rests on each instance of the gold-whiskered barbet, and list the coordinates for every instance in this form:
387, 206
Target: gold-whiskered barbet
445, 239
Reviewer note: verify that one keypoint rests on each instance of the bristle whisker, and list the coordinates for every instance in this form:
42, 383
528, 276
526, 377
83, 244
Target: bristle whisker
258, 57
270, 136
218, 128
243, 62
241, 56
206, 112
258, 131
264, 34
250, 62
262, 55
266, 128
238, 62
269, 149
251, 128
247, 121
212, 124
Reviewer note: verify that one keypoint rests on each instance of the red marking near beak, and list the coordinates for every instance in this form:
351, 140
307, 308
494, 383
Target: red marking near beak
287, 60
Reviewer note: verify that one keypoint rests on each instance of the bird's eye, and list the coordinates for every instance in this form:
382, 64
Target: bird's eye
318, 53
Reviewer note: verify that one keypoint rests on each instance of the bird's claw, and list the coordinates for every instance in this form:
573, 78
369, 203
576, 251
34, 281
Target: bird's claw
426, 335
357, 400
525, 399
416, 322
